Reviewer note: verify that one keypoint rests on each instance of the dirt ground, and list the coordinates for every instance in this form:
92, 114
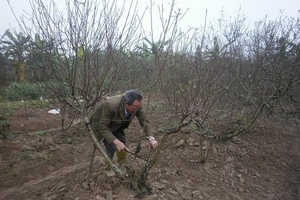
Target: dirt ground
38, 161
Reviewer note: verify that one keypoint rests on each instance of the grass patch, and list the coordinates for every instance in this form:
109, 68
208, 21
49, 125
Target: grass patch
41, 133
29, 103
47, 156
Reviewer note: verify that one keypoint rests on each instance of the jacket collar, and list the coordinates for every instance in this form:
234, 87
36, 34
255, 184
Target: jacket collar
122, 108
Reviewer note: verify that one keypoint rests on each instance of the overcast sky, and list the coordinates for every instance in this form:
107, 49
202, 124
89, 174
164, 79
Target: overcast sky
254, 10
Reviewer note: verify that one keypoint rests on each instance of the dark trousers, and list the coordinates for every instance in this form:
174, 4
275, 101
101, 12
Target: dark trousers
111, 148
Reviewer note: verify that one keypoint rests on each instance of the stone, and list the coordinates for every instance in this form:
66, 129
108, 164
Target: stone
196, 193
158, 185
180, 143
27, 148
85, 186
109, 172
174, 193
178, 188
190, 141
52, 148
98, 197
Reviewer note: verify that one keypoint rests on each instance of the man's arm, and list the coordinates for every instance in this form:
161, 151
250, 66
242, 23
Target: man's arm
95, 123
101, 120
147, 128
140, 114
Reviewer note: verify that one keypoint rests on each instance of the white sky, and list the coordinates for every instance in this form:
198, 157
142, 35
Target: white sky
254, 10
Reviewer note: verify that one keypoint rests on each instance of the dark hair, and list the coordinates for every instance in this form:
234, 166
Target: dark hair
132, 95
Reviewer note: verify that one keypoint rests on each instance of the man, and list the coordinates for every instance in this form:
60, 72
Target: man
113, 116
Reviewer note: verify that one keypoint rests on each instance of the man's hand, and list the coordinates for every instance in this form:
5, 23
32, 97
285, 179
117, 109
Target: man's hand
152, 142
119, 145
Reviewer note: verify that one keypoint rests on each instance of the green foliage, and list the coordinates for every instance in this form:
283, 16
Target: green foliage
3, 122
28, 91
38, 103
41, 133
161, 129
239, 116
15, 47
7, 110
47, 156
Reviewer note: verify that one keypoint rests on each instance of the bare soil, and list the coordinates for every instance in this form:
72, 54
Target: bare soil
38, 161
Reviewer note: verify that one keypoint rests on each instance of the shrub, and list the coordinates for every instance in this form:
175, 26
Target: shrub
29, 91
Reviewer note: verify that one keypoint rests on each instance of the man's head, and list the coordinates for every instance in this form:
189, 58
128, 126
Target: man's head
133, 100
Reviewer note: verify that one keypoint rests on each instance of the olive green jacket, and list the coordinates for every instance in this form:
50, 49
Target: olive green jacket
110, 116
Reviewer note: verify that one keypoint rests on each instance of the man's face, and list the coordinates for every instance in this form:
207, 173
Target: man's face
134, 107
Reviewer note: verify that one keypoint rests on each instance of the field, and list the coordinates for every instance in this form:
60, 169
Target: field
38, 161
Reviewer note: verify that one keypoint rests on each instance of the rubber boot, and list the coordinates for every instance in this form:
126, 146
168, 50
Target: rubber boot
108, 170
121, 158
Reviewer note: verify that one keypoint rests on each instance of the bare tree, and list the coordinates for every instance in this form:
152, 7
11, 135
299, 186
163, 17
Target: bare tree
87, 53
229, 76
218, 79
81, 55
154, 60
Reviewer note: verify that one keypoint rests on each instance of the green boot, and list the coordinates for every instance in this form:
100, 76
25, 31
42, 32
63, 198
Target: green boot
121, 158
108, 170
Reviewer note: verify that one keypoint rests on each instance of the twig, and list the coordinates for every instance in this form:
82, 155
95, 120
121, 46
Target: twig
91, 165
